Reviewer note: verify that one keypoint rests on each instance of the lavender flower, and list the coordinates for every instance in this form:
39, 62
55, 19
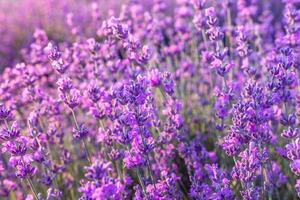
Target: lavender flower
150, 100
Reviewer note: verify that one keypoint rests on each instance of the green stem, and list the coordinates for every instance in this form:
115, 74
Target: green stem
74, 118
262, 176
6, 124
32, 188
87, 151
262, 182
150, 171
229, 24
83, 141
234, 159
141, 181
118, 170
204, 39
139, 175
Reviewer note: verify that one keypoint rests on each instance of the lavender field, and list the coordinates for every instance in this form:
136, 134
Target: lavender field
149, 99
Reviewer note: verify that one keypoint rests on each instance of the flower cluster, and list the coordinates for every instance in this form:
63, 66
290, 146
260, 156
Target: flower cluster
156, 100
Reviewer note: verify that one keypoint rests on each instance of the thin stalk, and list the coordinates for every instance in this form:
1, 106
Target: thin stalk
262, 176
87, 151
163, 94
150, 171
6, 124
229, 25
185, 193
32, 188
225, 84
83, 141
204, 39
141, 181
103, 147
74, 118
118, 170
234, 159
262, 182
123, 169
139, 175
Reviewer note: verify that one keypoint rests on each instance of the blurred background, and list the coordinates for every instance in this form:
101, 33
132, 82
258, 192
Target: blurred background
19, 19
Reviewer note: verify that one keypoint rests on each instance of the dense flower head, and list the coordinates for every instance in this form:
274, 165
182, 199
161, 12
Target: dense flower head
4, 112
10, 133
65, 84
97, 171
80, 132
24, 170
95, 93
